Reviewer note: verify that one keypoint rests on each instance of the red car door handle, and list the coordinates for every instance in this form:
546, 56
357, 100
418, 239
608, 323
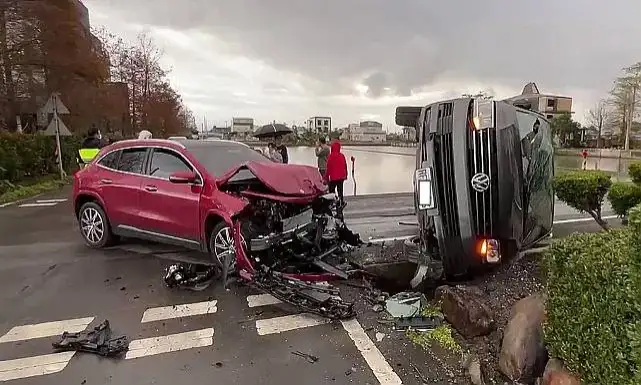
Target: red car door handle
106, 181
151, 188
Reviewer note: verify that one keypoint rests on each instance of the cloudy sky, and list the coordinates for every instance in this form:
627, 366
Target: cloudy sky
287, 60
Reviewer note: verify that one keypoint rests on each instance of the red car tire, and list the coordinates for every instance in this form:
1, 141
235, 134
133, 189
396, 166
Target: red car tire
94, 226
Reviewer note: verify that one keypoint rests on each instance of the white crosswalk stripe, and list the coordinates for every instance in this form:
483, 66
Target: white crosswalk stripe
382, 370
53, 363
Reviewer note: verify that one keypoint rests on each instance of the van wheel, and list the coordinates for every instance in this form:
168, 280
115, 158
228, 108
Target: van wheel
408, 116
94, 226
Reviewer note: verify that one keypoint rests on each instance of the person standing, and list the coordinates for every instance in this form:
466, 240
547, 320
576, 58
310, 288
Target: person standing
90, 147
584, 154
282, 149
322, 152
274, 154
336, 173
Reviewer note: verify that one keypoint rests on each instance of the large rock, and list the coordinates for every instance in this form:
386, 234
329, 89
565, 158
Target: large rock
523, 354
466, 309
556, 374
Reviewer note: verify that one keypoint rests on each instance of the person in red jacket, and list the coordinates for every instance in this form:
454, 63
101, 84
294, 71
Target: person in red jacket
336, 173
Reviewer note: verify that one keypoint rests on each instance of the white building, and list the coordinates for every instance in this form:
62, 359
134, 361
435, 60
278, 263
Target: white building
368, 131
242, 126
319, 124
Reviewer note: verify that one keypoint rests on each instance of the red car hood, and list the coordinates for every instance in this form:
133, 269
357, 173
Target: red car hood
285, 179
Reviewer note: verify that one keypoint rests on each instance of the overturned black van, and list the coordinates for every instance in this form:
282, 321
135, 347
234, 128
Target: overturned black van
483, 182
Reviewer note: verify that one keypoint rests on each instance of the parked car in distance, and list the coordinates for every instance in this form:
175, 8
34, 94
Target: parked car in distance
188, 193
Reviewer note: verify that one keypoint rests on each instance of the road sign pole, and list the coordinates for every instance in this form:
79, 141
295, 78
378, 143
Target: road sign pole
59, 149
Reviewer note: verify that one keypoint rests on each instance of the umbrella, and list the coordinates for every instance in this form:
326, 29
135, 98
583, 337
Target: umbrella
272, 130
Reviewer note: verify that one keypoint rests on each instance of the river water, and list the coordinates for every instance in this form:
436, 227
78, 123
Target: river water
389, 169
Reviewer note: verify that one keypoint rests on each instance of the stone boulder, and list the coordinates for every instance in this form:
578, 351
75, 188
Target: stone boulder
556, 374
523, 353
465, 308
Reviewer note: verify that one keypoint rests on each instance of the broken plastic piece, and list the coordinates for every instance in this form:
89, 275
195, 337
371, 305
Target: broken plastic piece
418, 323
406, 304
97, 341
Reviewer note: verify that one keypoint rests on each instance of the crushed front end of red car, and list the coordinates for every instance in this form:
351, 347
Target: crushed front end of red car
290, 239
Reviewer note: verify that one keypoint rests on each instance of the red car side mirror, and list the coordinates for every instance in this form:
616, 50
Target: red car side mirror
183, 177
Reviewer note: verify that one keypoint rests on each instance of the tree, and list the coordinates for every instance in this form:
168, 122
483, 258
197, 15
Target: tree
625, 99
567, 130
483, 95
599, 117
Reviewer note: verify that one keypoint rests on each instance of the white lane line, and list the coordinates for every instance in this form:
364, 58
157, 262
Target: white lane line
389, 239
47, 329
577, 220
49, 204
170, 343
261, 300
7, 204
177, 311
288, 322
51, 200
374, 358
34, 366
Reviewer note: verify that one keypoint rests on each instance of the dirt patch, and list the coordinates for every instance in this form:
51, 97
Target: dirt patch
438, 356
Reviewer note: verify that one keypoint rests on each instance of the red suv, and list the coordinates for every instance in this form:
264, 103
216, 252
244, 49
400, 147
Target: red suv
188, 193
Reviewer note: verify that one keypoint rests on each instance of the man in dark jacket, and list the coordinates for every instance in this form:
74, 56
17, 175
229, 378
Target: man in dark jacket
90, 146
280, 147
336, 173
322, 152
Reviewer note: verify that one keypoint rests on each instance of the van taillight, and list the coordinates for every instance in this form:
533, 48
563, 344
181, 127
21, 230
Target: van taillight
489, 250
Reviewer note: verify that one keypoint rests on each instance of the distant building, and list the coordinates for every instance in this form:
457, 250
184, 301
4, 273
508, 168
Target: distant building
367, 131
409, 134
319, 124
242, 127
548, 105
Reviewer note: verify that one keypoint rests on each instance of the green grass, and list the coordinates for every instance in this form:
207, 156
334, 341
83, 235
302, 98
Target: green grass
441, 335
32, 188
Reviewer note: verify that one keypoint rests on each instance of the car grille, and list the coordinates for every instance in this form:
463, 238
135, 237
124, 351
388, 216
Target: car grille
482, 159
444, 165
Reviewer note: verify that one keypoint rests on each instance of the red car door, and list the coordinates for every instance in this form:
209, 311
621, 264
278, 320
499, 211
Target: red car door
119, 179
170, 210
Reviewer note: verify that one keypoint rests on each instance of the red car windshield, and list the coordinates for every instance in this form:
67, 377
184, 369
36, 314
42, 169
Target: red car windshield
219, 157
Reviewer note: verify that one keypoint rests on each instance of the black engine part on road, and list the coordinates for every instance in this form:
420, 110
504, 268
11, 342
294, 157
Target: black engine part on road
97, 341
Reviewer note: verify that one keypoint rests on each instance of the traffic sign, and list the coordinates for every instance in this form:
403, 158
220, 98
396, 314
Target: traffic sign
55, 105
57, 124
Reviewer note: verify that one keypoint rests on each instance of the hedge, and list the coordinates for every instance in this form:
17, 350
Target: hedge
594, 304
584, 191
624, 196
634, 171
24, 157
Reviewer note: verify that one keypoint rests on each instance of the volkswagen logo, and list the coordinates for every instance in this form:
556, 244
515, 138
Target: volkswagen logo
480, 182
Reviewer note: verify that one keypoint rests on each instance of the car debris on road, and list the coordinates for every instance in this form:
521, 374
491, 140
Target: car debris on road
96, 341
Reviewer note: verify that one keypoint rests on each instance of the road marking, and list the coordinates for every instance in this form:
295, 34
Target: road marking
261, 300
288, 322
7, 204
374, 358
51, 200
49, 204
577, 220
170, 343
34, 366
177, 311
47, 329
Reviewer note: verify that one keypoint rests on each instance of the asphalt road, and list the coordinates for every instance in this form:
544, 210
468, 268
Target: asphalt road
216, 336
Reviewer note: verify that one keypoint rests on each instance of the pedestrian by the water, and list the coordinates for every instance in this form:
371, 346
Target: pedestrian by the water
322, 152
282, 149
336, 173
584, 154
273, 153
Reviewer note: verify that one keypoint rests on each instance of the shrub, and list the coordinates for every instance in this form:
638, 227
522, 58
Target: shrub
634, 170
584, 191
594, 306
624, 196
31, 156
